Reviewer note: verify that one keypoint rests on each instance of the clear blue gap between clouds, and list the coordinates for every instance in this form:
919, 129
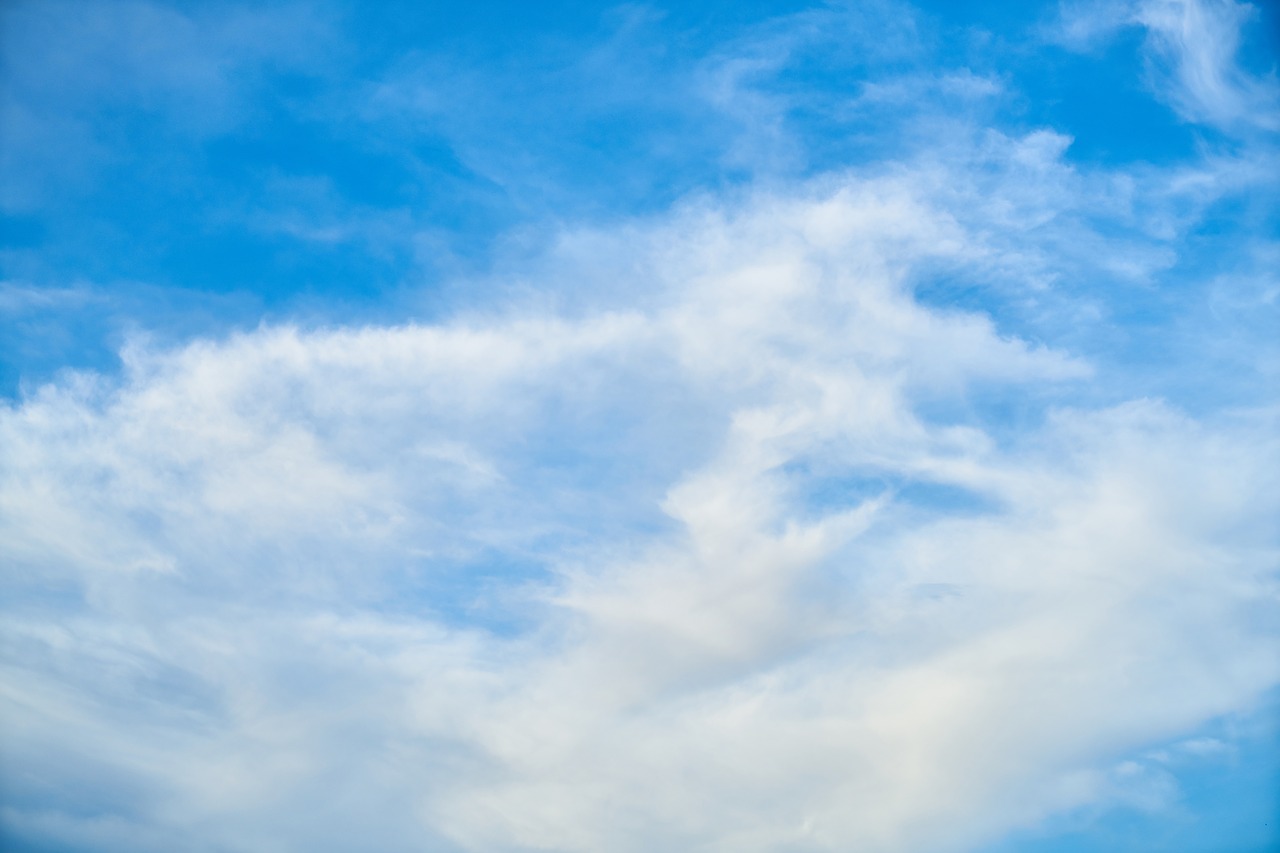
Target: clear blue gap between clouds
205, 219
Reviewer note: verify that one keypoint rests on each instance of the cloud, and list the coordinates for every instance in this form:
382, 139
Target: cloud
822, 514
1200, 41
699, 540
1191, 51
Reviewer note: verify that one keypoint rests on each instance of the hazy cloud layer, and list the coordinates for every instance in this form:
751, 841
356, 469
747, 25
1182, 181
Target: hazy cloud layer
716, 529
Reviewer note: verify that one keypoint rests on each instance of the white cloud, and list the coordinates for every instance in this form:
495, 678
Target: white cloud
706, 536
1191, 50
228, 567
1200, 40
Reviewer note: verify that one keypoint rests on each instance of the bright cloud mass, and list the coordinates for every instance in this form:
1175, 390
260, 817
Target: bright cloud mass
739, 427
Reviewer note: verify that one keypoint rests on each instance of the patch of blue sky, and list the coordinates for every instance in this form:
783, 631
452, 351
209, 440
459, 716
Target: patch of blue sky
819, 492
1099, 96
321, 194
320, 189
1216, 790
502, 592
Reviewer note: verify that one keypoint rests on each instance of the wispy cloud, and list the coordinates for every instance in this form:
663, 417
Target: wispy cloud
262, 531
892, 506
1192, 56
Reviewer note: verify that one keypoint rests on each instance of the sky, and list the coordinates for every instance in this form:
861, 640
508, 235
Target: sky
715, 426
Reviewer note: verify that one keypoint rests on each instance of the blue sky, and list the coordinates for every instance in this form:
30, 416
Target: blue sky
717, 426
